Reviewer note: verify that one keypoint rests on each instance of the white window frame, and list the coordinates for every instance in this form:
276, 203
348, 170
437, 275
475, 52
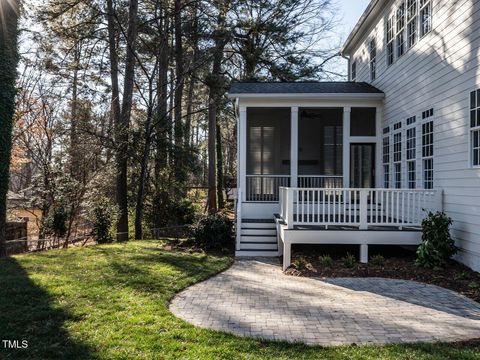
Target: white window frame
412, 23
474, 125
428, 155
386, 154
390, 40
411, 152
397, 158
425, 5
400, 41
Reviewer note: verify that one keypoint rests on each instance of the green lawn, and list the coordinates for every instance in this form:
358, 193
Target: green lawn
111, 302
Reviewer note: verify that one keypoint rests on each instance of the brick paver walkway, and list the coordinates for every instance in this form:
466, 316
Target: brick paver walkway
254, 298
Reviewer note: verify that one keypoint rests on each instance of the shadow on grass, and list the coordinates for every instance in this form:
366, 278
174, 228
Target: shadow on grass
27, 313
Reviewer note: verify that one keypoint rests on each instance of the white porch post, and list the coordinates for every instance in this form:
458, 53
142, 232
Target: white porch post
243, 152
294, 147
346, 146
379, 150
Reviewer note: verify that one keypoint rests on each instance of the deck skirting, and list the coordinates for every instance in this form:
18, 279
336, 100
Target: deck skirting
287, 237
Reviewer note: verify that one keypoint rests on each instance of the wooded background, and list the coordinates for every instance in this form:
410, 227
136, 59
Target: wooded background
122, 103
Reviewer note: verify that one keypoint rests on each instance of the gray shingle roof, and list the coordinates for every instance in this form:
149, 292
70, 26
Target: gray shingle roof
302, 88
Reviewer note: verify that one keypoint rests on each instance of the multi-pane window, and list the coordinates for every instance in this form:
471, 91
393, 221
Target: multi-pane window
427, 139
386, 162
401, 30
354, 71
411, 143
475, 126
398, 175
397, 159
390, 41
411, 155
412, 174
411, 22
397, 125
428, 173
427, 113
397, 147
425, 17
427, 154
373, 59
411, 120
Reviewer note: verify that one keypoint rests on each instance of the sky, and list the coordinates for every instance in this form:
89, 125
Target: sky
351, 11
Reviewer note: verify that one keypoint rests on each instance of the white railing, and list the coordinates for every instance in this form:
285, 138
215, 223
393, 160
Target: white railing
320, 181
362, 208
265, 188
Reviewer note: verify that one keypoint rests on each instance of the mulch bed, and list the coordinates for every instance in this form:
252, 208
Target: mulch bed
399, 264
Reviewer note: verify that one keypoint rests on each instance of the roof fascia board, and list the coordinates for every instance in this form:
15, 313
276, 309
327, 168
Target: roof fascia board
309, 96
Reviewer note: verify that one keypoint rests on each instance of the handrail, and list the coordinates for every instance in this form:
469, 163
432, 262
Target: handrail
357, 207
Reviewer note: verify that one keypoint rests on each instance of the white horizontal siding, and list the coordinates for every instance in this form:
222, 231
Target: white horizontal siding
438, 72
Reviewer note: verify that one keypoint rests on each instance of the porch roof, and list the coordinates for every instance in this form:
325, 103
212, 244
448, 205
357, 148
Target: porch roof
298, 89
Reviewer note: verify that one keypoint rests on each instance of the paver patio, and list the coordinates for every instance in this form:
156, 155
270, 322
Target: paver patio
254, 298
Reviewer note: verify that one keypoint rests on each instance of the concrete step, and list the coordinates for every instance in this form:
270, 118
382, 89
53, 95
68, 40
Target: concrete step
256, 253
259, 238
258, 231
258, 246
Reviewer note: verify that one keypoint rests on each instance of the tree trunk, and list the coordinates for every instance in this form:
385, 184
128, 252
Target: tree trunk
161, 122
193, 75
215, 89
122, 116
8, 72
144, 168
221, 201
75, 164
212, 129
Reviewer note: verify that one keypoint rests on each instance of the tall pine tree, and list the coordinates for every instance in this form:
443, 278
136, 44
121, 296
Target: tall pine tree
8, 71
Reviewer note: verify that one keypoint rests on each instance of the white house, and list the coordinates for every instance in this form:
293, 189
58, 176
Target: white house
361, 162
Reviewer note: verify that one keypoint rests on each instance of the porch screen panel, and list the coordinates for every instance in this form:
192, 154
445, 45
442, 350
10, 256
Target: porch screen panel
268, 141
320, 142
363, 122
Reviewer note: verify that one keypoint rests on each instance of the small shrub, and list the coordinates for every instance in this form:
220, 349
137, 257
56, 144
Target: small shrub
464, 275
56, 222
473, 285
349, 261
300, 263
325, 260
377, 260
102, 216
213, 232
437, 246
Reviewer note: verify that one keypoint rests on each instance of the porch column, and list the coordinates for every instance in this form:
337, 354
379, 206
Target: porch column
379, 150
294, 147
346, 146
242, 148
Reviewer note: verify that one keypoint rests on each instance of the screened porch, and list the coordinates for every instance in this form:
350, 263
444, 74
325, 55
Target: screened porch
317, 141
